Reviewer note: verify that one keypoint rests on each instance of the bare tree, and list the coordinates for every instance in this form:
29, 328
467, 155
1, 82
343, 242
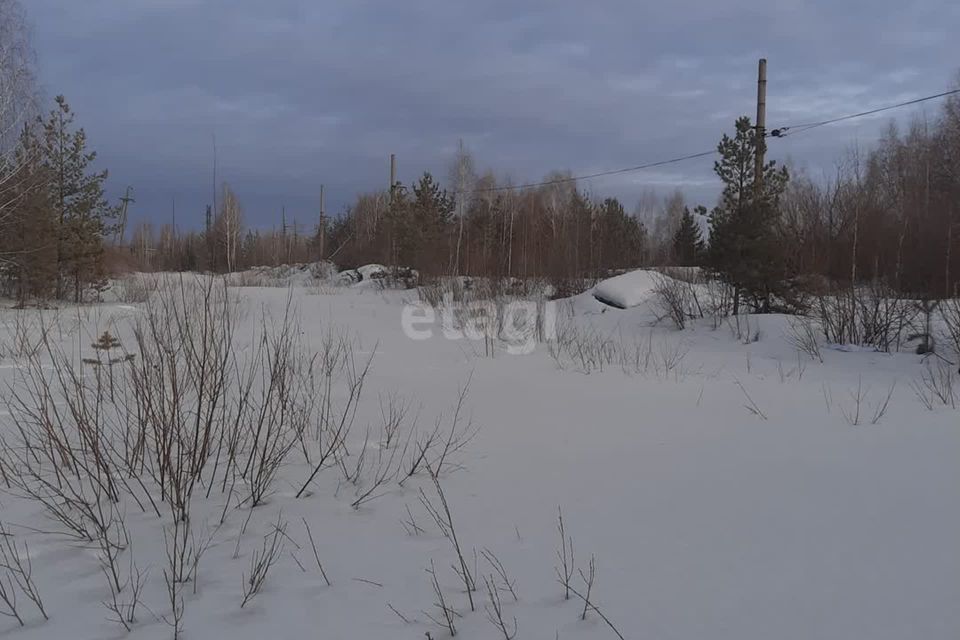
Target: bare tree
463, 178
228, 227
18, 104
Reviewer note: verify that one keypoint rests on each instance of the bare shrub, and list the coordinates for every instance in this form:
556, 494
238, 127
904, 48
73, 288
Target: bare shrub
589, 605
394, 415
276, 386
750, 406
8, 598
805, 338
479, 308
936, 385
262, 560
718, 300
440, 512
873, 315
126, 598
448, 615
566, 557
16, 567
588, 584
182, 386
435, 451
676, 297
587, 351
852, 414
66, 449
950, 315
175, 540
256, 277
494, 611
134, 287
499, 571
861, 408
316, 554
27, 332
386, 470
567, 569
332, 426
161, 420
741, 328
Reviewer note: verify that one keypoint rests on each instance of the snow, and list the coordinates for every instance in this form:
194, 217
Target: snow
626, 290
372, 271
706, 519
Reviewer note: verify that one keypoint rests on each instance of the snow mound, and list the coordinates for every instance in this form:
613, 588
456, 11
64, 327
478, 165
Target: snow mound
373, 271
626, 290
284, 275
377, 275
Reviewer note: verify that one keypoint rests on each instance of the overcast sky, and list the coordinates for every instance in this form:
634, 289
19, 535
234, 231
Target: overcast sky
304, 92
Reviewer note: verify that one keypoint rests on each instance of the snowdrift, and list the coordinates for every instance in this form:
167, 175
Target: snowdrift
626, 290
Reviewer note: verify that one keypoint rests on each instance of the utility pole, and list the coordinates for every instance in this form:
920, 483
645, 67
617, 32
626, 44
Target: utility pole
323, 224
214, 183
284, 243
122, 225
393, 174
761, 130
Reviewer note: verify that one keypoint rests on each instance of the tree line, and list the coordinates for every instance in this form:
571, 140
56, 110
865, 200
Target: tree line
886, 216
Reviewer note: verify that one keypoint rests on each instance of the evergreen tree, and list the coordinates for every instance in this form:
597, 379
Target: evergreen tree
30, 260
420, 225
687, 241
433, 206
622, 237
76, 192
744, 246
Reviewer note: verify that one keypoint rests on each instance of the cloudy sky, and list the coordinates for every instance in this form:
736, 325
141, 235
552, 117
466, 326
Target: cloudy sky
304, 92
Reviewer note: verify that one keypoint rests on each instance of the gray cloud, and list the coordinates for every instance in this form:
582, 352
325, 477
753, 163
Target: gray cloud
301, 92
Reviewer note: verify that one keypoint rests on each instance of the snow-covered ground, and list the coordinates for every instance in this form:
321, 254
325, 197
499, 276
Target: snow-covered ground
727, 491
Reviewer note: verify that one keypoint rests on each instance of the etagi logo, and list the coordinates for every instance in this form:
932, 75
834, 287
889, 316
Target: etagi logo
520, 324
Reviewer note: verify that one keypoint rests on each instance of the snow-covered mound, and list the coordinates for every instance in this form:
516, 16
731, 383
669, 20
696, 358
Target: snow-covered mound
626, 290
284, 275
373, 271
378, 275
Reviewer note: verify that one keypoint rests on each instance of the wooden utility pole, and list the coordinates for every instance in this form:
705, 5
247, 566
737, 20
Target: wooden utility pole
761, 130
323, 225
122, 223
284, 242
393, 174
214, 183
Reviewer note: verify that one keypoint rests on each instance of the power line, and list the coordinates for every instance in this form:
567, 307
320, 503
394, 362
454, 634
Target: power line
780, 132
649, 165
799, 128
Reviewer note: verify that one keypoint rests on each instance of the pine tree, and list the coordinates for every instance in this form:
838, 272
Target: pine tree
744, 246
82, 214
621, 242
421, 225
30, 261
688, 245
